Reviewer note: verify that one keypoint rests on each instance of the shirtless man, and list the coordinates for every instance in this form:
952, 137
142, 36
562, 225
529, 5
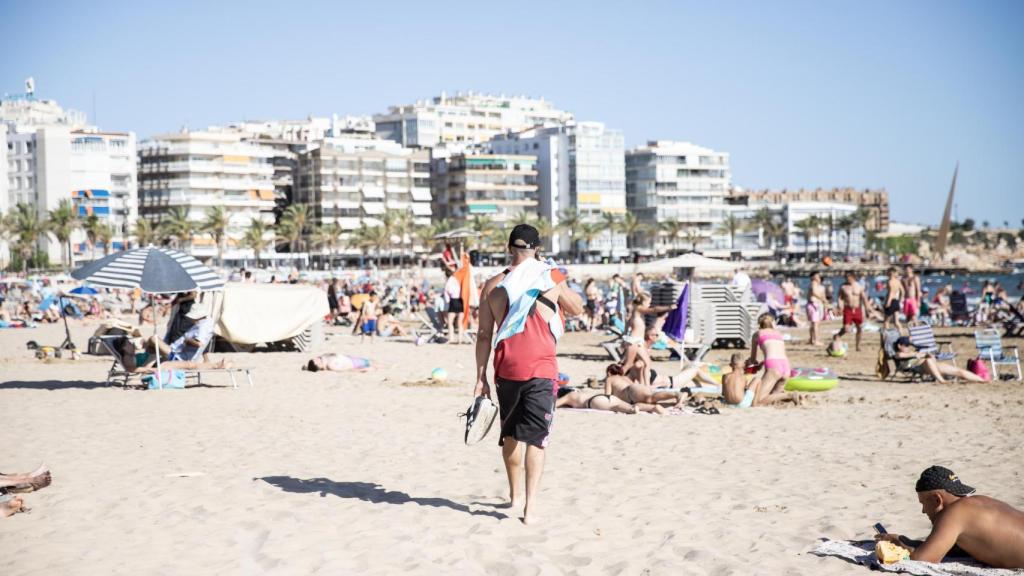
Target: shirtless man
817, 304
893, 298
525, 367
852, 305
984, 528
366, 321
911, 293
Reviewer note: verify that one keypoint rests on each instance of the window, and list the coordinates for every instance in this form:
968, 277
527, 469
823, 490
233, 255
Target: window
29, 146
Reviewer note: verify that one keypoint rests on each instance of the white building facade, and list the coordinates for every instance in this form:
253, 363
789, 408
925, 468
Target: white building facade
49, 154
196, 171
464, 119
677, 181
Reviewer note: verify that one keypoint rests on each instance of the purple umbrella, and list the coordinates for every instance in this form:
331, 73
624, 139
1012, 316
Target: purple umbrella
767, 291
675, 324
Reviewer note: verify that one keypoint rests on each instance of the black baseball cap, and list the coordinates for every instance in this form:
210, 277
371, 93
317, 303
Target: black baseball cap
524, 236
939, 478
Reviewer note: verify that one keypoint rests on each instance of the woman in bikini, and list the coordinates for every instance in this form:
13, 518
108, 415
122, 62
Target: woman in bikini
569, 397
776, 365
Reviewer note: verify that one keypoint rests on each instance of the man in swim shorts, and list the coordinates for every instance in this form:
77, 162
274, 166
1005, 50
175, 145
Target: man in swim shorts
852, 303
525, 367
911, 293
893, 298
963, 523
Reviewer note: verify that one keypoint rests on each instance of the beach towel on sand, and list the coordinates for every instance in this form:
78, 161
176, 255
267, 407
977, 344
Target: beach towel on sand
523, 285
863, 552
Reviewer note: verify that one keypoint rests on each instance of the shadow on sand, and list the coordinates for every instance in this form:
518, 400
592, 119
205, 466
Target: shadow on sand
53, 385
367, 492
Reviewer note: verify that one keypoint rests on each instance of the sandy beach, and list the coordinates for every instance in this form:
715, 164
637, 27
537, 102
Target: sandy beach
359, 474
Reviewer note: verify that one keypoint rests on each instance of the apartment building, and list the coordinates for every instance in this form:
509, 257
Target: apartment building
677, 181
500, 187
875, 201
196, 171
464, 118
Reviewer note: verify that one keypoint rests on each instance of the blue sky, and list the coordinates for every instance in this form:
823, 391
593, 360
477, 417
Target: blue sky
829, 93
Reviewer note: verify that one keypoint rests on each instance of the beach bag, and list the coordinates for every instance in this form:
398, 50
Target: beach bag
882, 366
978, 367
173, 379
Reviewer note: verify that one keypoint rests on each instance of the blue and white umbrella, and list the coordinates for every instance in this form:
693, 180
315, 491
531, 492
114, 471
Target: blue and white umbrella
154, 270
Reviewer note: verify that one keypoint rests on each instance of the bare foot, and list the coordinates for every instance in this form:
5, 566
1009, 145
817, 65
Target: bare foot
530, 519
12, 507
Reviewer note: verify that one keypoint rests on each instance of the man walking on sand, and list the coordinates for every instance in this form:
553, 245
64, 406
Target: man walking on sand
852, 304
523, 302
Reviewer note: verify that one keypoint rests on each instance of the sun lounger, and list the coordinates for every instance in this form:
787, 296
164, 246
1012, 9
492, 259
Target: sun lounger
117, 371
923, 338
431, 327
889, 338
990, 347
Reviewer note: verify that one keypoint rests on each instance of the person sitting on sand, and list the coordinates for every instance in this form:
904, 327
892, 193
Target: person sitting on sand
986, 529
776, 364
366, 321
910, 359
337, 363
16, 483
738, 392
569, 397
388, 325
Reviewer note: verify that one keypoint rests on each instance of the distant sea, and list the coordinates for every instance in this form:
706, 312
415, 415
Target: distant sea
972, 282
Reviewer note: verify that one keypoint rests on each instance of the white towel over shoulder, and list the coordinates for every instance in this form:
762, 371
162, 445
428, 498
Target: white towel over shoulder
523, 285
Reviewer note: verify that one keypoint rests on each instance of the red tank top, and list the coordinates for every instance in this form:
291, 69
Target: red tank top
530, 353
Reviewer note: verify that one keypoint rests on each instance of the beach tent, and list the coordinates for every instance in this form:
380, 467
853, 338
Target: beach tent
154, 271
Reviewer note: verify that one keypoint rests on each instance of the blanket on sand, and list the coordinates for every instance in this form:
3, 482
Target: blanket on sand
863, 552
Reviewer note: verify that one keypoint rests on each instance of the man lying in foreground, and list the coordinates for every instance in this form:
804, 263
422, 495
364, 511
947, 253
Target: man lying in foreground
988, 530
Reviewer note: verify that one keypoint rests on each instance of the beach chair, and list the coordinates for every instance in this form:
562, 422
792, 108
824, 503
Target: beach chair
923, 338
990, 347
117, 371
431, 327
1012, 320
889, 338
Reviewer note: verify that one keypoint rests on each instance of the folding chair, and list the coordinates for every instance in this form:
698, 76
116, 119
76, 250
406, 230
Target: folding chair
923, 338
990, 347
432, 327
118, 371
889, 338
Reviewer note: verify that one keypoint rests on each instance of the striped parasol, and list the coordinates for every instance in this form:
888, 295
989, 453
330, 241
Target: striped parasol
154, 270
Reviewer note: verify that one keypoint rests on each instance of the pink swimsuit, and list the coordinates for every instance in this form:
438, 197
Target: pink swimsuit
780, 365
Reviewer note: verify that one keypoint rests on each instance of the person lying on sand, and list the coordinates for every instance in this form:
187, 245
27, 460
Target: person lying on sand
634, 392
984, 528
569, 397
337, 363
25, 482
910, 359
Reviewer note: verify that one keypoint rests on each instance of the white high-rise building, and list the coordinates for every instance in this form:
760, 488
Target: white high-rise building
677, 181
49, 154
464, 119
196, 171
580, 166
354, 180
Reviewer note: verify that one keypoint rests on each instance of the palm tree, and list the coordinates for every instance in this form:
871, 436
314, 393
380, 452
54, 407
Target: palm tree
62, 223
829, 223
761, 222
178, 227
105, 235
216, 225
569, 222
729, 225
5, 235
630, 225
371, 237
776, 230
24, 222
145, 233
92, 227
612, 223
588, 231
331, 237
254, 238
293, 226
405, 224
692, 236
544, 227
483, 226
672, 229
815, 224
524, 217
806, 228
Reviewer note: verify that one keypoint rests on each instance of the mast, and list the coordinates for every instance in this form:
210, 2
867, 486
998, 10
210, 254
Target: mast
940, 242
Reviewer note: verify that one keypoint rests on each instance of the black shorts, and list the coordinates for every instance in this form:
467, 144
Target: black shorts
455, 305
892, 308
527, 409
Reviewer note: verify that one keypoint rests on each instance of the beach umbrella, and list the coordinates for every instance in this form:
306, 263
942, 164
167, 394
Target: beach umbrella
767, 291
154, 271
84, 291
